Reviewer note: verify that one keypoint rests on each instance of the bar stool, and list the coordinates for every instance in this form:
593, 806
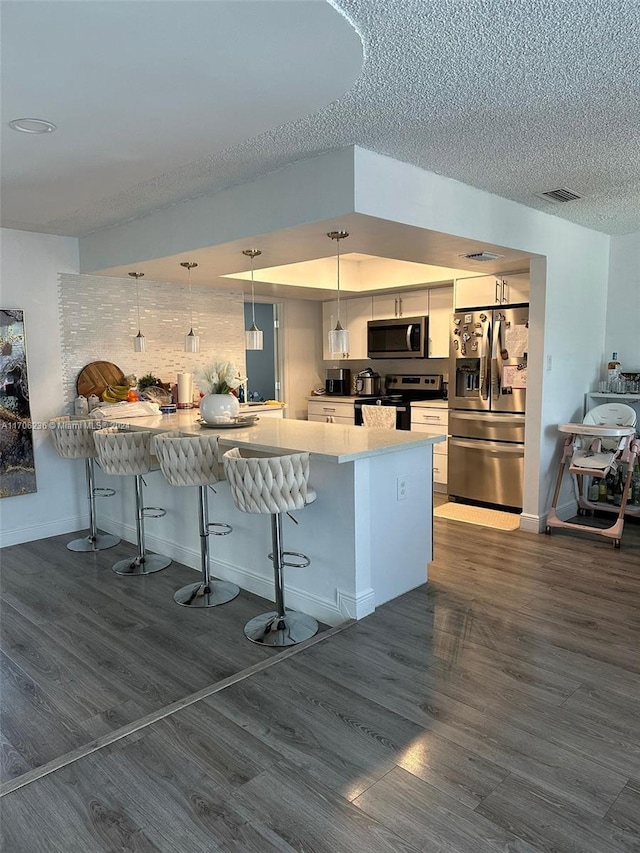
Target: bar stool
124, 453
274, 485
193, 461
74, 440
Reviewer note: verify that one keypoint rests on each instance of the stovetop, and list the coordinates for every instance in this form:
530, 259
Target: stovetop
408, 387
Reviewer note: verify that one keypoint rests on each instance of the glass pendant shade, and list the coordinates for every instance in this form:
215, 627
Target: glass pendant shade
338, 337
253, 337
139, 342
191, 340
338, 340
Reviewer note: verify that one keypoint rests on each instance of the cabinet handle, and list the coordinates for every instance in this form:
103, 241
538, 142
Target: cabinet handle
400, 306
505, 290
395, 307
431, 417
327, 409
498, 291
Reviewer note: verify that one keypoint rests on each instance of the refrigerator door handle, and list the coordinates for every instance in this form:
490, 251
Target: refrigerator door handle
484, 366
496, 360
516, 449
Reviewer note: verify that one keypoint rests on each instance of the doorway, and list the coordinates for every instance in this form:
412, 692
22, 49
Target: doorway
262, 365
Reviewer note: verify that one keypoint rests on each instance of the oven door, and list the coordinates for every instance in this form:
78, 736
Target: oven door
403, 413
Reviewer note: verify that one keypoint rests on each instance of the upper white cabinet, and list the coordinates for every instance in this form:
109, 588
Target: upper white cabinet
486, 291
413, 303
440, 310
354, 316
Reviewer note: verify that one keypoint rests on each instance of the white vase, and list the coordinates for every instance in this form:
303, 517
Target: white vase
215, 408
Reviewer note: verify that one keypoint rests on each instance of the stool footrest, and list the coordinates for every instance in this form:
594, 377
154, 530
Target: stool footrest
153, 511
225, 530
100, 492
302, 563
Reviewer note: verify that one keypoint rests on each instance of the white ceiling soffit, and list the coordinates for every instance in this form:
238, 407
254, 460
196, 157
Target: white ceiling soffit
140, 90
516, 98
388, 255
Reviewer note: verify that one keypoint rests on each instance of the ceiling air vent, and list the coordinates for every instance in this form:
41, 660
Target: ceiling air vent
560, 195
481, 256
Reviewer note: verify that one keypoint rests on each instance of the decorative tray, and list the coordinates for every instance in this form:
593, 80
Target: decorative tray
248, 420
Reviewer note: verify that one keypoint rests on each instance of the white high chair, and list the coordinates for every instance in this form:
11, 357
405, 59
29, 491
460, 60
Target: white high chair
603, 441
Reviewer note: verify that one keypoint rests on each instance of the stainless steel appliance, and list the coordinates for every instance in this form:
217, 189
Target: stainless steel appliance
338, 382
368, 383
401, 391
397, 338
487, 403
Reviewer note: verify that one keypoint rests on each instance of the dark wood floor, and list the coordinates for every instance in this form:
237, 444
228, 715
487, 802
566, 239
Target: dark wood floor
494, 709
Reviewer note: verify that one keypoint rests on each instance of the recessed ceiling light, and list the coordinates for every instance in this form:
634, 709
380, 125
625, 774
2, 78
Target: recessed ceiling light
32, 125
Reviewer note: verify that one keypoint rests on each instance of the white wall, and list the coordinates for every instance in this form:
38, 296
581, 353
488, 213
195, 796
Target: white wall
302, 353
623, 305
30, 266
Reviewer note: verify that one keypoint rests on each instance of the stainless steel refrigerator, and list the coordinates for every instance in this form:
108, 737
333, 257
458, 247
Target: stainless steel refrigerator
487, 403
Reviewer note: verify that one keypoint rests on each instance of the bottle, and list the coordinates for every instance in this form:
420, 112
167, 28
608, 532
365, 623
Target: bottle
80, 405
602, 491
594, 490
618, 488
613, 368
611, 486
93, 402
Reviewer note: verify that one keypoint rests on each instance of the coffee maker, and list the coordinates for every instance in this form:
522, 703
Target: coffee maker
338, 382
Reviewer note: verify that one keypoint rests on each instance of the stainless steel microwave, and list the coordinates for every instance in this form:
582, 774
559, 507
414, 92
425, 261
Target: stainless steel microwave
398, 338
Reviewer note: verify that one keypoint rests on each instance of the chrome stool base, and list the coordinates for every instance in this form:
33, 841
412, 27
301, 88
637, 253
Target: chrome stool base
99, 542
146, 565
206, 594
269, 629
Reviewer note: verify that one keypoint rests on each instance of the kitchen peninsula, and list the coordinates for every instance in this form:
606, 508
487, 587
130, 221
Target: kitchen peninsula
368, 534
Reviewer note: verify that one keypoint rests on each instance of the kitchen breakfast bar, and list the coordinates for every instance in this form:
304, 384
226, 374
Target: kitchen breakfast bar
368, 534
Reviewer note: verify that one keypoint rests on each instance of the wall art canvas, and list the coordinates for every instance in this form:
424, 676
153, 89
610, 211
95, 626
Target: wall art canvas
17, 465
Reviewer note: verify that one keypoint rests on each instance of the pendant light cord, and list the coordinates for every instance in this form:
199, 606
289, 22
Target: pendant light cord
189, 266
137, 275
253, 297
338, 271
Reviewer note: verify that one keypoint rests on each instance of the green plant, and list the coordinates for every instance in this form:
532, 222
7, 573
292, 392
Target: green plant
148, 381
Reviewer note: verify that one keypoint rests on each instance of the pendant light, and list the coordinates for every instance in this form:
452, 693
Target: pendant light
338, 337
191, 340
253, 336
139, 342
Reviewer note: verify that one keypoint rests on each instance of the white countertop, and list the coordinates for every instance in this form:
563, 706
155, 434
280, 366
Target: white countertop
330, 442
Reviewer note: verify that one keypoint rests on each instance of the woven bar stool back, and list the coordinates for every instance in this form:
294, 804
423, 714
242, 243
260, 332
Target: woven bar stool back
193, 461
128, 453
74, 439
273, 485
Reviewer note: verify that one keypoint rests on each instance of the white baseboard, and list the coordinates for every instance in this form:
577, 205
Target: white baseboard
537, 523
356, 606
39, 530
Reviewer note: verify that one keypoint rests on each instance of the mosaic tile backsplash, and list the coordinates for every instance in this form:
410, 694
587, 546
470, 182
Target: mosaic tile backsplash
99, 319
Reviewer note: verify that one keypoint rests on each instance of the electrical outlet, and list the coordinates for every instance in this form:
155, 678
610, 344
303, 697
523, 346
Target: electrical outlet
402, 488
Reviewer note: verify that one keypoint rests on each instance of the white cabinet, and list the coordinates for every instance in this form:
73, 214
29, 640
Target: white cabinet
486, 291
277, 412
330, 412
440, 310
412, 303
434, 421
354, 316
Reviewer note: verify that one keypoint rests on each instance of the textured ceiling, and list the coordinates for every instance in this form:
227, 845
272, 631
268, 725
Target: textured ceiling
513, 97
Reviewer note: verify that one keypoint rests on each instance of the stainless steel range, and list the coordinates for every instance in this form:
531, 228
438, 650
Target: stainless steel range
401, 390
